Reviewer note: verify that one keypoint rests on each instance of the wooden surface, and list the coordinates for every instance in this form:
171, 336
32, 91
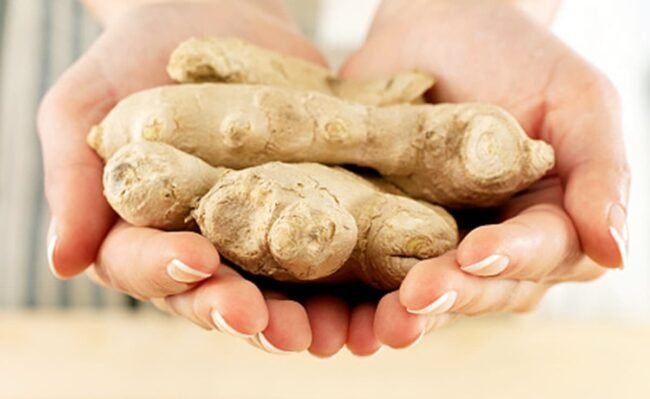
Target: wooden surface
110, 355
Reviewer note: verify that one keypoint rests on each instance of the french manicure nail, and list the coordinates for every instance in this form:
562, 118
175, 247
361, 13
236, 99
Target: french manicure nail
182, 273
269, 347
221, 325
51, 246
621, 244
490, 266
618, 230
417, 340
441, 305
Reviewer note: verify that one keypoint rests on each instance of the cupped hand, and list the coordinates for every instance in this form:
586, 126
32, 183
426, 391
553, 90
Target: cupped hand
568, 227
180, 272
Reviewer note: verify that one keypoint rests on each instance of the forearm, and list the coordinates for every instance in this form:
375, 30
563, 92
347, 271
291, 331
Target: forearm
106, 10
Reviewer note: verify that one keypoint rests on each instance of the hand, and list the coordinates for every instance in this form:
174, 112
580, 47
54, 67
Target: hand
571, 225
179, 271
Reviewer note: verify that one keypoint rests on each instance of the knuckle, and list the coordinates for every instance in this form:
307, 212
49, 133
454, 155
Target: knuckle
599, 85
115, 280
523, 298
529, 299
162, 285
582, 269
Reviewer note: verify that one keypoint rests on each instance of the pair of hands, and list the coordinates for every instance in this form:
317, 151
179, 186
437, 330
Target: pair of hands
568, 227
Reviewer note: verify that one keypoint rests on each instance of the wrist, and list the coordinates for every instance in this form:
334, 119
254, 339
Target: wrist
107, 10
542, 11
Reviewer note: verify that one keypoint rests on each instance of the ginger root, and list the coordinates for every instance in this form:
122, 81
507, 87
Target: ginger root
229, 60
467, 154
291, 222
209, 156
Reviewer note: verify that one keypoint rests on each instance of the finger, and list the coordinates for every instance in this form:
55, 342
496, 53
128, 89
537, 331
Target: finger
72, 171
577, 111
511, 249
152, 263
102, 280
585, 130
407, 329
437, 286
436, 322
396, 327
162, 305
226, 302
93, 276
328, 319
361, 339
288, 329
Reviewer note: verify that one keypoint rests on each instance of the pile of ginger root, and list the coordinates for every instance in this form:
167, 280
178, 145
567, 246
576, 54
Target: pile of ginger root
250, 149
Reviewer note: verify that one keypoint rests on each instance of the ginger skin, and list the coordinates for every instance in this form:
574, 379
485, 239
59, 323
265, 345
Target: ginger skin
230, 60
171, 152
292, 222
454, 155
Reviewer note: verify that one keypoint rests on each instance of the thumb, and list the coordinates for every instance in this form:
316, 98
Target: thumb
370, 61
583, 124
81, 216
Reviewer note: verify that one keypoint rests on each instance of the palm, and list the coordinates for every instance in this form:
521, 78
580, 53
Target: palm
496, 54
488, 52
131, 55
479, 54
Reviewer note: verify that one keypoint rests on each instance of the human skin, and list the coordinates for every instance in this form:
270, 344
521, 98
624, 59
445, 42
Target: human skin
490, 51
322, 323
131, 55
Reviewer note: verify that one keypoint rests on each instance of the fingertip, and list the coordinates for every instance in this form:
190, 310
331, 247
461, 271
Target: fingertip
82, 216
328, 319
72, 250
621, 246
361, 340
595, 200
396, 327
72, 171
599, 240
181, 272
426, 282
243, 307
288, 329
479, 244
194, 251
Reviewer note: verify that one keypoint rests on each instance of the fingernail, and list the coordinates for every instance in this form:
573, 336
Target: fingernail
440, 305
51, 246
417, 340
490, 266
269, 347
221, 325
618, 230
182, 273
431, 323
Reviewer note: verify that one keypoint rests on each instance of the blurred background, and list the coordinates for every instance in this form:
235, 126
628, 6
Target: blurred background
40, 38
